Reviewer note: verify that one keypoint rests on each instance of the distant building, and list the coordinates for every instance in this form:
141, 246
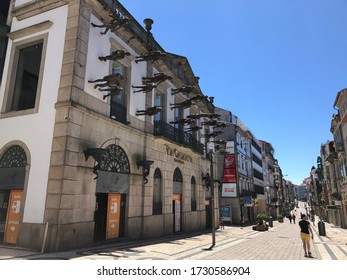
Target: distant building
302, 192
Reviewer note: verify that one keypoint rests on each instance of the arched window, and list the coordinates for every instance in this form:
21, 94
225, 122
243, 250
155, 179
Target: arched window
157, 193
14, 157
177, 176
12, 168
115, 160
177, 181
193, 194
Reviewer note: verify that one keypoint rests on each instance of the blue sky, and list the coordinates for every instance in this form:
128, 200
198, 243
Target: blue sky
276, 64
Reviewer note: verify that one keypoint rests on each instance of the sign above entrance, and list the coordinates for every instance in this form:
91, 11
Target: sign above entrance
177, 154
111, 182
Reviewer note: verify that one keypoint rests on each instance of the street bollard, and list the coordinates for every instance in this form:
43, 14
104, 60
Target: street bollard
321, 228
270, 222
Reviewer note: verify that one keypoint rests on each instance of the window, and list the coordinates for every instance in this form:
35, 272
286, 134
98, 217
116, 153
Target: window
160, 102
157, 193
119, 102
4, 29
193, 194
24, 86
178, 116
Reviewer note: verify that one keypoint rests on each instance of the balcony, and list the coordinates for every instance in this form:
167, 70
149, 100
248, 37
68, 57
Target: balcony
162, 129
118, 112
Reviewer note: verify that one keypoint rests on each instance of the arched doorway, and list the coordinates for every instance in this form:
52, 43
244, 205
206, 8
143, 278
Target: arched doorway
112, 187
177, 200
12, 177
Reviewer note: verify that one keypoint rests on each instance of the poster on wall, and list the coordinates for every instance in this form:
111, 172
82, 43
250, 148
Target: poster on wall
177, 215
113, 215
13, 216
225, 213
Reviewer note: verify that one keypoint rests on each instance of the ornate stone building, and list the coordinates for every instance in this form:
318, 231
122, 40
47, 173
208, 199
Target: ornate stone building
93, 144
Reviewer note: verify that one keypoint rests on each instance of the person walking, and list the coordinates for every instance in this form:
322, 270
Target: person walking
221, 223
305, 231
290, 218
293, 217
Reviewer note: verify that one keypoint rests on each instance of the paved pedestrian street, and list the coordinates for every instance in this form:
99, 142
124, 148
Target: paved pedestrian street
282, 242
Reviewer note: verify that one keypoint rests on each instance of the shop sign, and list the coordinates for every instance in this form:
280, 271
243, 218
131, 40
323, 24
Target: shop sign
230, 147
229, 190
177, 154
247, 201
111, 182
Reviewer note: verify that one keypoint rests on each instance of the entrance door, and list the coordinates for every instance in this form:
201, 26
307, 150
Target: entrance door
13, 216
100, 216
109, 216
4, 201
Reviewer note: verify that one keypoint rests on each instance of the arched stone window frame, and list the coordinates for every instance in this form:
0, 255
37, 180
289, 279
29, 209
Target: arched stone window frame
157, 192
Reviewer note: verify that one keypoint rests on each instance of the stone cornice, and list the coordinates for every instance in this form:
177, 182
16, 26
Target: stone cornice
36, 7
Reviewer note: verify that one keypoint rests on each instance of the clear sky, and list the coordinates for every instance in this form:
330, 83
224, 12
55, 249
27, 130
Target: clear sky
276, 64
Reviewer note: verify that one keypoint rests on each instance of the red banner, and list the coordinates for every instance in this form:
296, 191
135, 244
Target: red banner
229, 174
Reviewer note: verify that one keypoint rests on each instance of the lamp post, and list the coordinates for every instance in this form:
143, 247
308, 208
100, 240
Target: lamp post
212, 202
268, 199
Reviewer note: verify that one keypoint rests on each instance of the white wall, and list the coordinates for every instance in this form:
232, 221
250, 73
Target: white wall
21, 2
36, 130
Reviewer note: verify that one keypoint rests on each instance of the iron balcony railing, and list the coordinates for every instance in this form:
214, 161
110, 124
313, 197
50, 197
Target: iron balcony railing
186, 139
118, 112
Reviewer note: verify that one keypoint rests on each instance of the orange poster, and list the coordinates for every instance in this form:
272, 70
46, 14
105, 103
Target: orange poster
113, 215
13, 216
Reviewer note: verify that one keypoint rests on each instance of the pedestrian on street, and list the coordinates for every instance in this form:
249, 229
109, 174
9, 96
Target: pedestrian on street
221, 223
290, 218
293, 217
305, 232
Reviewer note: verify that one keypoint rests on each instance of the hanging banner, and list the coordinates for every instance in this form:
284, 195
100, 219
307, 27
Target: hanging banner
113, 215
229, 173
13, 216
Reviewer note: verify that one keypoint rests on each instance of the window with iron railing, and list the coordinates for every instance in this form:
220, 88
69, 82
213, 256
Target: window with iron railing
177, 135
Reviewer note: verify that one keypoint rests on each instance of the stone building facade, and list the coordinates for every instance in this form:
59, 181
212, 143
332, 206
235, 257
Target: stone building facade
82, 167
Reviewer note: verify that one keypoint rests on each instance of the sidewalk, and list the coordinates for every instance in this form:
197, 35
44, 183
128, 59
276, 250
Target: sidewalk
332, 246
282, 242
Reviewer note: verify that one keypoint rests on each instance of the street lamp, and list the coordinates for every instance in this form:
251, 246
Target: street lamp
268, 199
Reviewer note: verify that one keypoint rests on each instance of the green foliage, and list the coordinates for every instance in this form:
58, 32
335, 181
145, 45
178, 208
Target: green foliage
262, 217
